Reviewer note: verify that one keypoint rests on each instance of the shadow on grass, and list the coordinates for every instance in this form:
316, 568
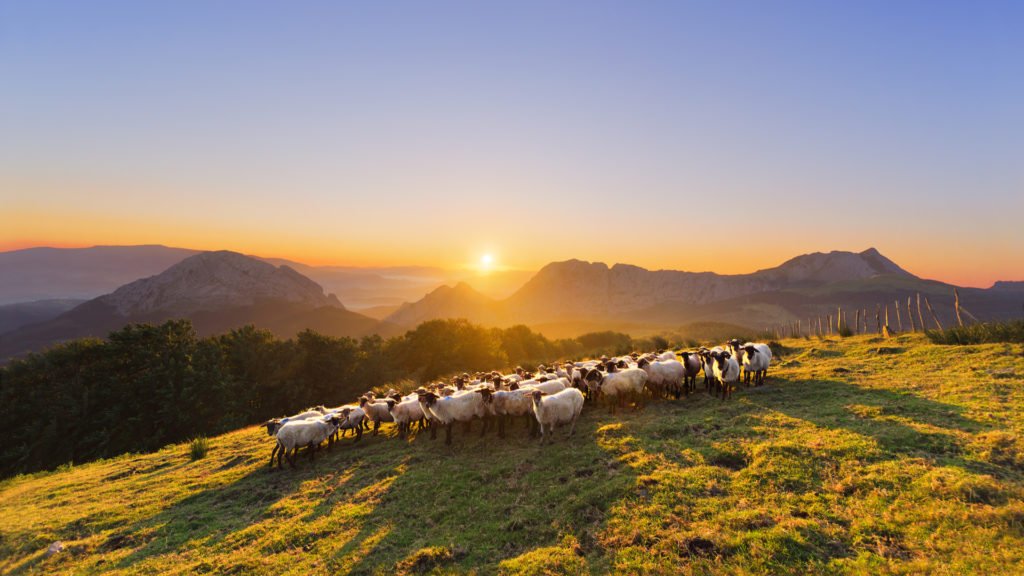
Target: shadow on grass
208, 517
368, 507
886, 416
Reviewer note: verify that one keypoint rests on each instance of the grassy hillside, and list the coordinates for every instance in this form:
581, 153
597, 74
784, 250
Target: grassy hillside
862, 455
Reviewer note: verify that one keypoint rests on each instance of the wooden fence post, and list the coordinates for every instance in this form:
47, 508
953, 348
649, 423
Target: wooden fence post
920, 318
956, 306
910, 315
857, 322
899, 321
878, 318
932, 312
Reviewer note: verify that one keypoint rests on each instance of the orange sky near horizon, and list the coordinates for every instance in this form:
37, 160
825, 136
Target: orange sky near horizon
517, 252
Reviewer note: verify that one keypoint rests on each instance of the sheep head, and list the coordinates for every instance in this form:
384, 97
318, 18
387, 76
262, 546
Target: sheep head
272, 426
428, 398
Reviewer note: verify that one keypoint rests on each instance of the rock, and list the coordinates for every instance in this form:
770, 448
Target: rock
55, 548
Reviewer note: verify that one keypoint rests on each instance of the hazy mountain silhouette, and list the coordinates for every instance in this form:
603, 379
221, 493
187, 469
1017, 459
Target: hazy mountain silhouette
218, 291
804, 286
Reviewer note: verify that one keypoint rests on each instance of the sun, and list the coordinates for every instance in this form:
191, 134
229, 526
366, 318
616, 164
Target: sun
486, 261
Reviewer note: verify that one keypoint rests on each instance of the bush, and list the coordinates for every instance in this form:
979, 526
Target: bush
984, 332
199, 447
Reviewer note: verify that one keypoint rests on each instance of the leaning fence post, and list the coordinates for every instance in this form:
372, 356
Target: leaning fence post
956, 306
932, 312
920, 318
899, 321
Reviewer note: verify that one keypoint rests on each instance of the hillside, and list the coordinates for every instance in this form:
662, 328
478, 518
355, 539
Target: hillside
14, 316
218, 291
857, 456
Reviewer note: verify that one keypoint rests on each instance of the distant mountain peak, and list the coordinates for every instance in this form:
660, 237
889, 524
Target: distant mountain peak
214, 280
836, 266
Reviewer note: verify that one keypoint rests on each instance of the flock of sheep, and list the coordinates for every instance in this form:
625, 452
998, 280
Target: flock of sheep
551, 397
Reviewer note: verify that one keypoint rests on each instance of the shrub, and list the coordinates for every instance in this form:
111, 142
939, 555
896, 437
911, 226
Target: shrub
199, 447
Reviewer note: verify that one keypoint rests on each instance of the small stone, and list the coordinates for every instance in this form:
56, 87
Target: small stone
54, 548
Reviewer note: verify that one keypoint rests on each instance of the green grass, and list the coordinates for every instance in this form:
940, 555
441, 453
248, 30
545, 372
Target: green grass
858, 455
979, 333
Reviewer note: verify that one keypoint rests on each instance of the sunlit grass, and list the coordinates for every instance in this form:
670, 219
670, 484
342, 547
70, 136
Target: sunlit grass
849, 460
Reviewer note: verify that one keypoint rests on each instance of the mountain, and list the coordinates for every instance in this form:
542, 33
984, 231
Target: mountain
79, 273
1008, 286
83, 273
14, 316
218, 291
592, 293
448, 302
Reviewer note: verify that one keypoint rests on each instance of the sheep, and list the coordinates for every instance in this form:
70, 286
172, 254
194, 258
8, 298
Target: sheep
727, 372
404, 412
560, 408
620, 385
298, 433
756, 359
351, 418
692, 363
667, 355
445, 410
548, 386
708, 363
376, 411
505, 404
274, 424
663, 376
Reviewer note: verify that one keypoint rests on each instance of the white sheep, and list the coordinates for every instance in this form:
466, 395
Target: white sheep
560, 408
727, 372
405, 412
462, 407
377, 411
298, 433
663, 376
667, 355
621, 385
757, 358
506, 404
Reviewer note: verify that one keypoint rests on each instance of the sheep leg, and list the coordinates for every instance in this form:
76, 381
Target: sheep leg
467, 427
501, 425
276, 447
359, 433
289, 456
376, 426
433, 432
487, 424
572, 427
448, 434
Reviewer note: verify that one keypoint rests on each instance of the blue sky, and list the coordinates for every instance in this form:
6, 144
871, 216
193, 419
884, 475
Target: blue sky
657, 133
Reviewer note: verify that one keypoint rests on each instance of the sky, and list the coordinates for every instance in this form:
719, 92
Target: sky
725, 136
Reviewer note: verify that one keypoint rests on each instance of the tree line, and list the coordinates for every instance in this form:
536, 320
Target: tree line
146, 386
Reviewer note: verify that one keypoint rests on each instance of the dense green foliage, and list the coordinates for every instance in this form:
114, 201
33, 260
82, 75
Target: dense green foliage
980, 333
147, 386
